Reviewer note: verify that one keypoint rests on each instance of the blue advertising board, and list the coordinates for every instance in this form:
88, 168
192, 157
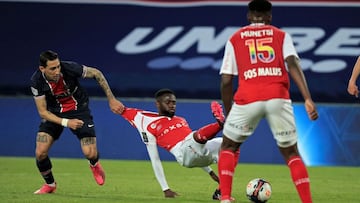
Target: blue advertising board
332, 140
142, 46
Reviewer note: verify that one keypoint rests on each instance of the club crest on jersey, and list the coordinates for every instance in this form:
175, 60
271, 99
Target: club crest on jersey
153, 126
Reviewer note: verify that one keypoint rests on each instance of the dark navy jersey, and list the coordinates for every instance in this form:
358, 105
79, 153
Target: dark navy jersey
64, 95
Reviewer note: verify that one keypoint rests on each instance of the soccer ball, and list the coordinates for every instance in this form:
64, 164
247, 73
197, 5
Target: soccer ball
258, 190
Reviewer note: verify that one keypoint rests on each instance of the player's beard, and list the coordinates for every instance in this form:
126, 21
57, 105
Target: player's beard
168, 113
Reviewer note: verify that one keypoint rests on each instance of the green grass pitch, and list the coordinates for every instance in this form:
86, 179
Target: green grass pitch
134, 182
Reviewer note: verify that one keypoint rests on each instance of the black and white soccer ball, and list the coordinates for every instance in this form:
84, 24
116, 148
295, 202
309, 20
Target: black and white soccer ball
258, 190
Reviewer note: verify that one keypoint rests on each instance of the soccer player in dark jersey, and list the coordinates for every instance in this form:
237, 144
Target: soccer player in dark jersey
62, 102
262, 56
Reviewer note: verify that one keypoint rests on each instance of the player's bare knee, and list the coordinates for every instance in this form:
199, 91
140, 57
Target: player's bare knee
43, 143
288, 149
40, 155
229, 144
90, 154
88, 146
287, 144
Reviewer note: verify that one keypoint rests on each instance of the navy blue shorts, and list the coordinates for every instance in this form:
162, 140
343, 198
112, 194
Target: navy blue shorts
55, 130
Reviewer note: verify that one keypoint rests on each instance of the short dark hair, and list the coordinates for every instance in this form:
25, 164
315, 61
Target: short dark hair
260, 5
163, 91
46, 56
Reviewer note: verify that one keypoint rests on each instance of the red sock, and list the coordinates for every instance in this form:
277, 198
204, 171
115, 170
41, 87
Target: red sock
226, 169
300, 178
207, 132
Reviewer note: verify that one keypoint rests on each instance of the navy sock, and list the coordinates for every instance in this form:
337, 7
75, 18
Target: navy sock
44, 167
94, 161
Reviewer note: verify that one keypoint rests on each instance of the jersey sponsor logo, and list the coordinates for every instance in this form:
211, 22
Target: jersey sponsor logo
262, 71
172, 127
286, 133
243, 128
269, 71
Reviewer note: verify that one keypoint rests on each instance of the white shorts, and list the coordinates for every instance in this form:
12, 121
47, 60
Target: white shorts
243, 120
190, 153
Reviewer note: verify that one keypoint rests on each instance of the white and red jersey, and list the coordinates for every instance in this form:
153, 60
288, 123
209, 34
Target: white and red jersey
175, 135
167, 131
156, 130
256, 54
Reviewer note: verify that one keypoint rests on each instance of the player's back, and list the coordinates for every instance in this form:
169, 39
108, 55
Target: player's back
258, 50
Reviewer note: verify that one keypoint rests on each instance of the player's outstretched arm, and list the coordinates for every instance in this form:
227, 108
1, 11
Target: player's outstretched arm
157, 167
115, 105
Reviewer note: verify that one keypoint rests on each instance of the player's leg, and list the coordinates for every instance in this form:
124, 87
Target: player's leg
282, 123
217, 194
48, 133
206, 133
212, 174
218, 113
210, 131
89, 149
193, 153
87, 138
240, 124
298, 172
213, 146
88, 146
226, 166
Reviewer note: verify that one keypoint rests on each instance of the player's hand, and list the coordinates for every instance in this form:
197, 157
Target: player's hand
170, 194
311, 109
75, 123
116, 106
353, 89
